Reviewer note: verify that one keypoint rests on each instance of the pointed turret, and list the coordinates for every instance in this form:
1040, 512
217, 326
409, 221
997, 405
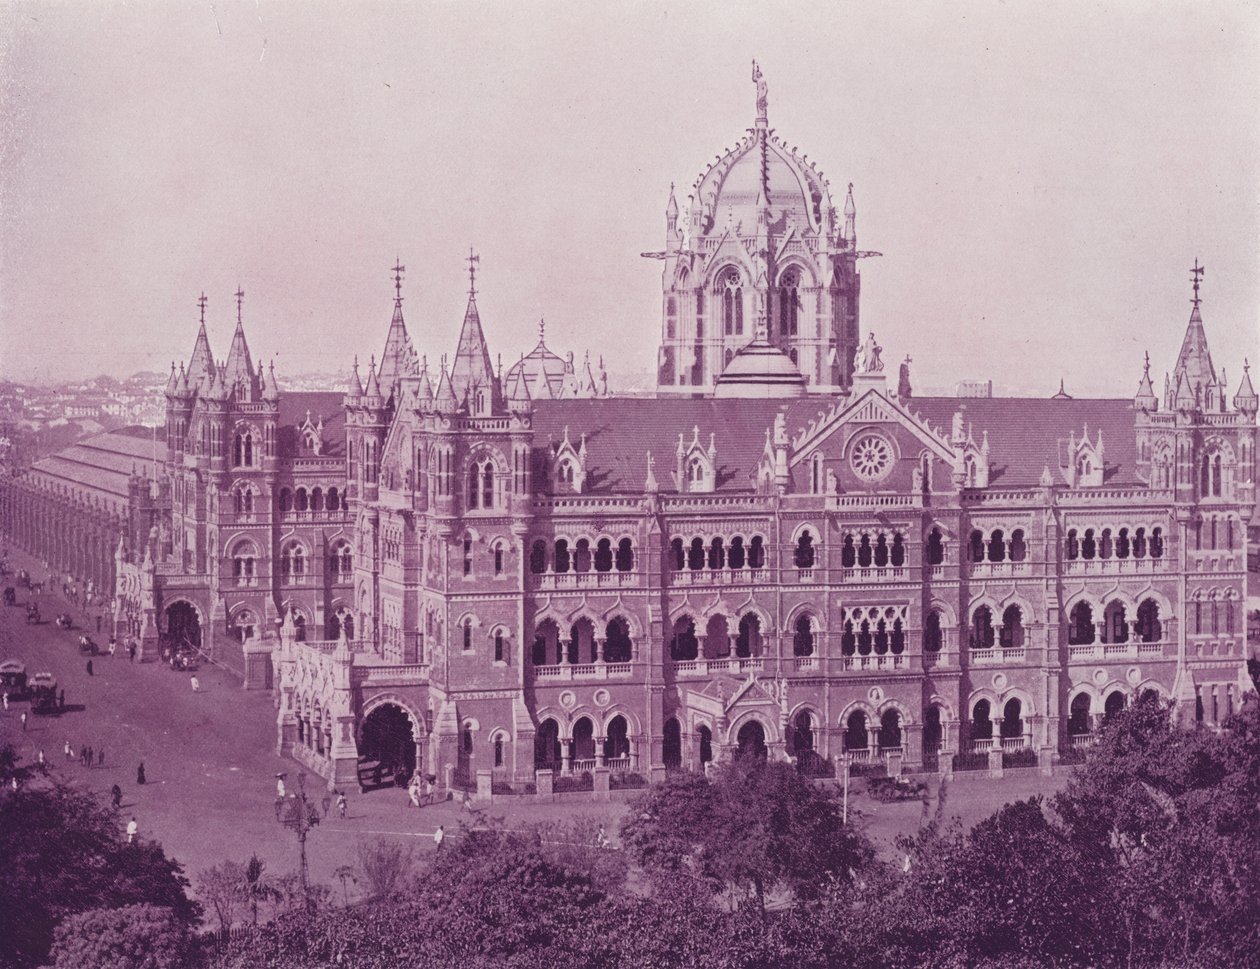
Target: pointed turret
471, 368
238, 372
1245, 400
520, 401
271, 390
445, 400
201, 364
424, 392
184, 387
356, 385
395, 357
1183, 396
172, 384
373, 389
671, 214
1194, 362
850, 218
1145, 399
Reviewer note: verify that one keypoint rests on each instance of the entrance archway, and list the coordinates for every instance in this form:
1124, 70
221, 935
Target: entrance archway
388, 742
547, 746
183, 624
671, 747
751, 741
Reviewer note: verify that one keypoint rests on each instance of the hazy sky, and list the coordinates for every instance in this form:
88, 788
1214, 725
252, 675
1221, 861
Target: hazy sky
1040, 177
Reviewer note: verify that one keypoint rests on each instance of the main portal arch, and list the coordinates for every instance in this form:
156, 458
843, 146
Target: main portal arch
390, 742
183, 624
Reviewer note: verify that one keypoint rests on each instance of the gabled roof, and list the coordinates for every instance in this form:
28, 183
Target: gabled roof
322, 405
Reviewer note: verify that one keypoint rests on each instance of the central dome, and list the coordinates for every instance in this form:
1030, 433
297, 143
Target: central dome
733, 188
760, 370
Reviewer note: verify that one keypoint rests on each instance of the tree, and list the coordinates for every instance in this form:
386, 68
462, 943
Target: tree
63, 853
345, 873
755, 828
223, 886
258, 887
385, 865
129, 937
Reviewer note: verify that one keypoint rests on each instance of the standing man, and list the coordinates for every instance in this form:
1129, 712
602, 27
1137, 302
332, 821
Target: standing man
68, 752
438, 836
196, 686
89, 667
280, 786
132, 828
23, 721
100, 757
341, 805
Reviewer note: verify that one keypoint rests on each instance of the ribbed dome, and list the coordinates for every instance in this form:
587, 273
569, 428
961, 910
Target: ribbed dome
539, 366
730, 188
760, 370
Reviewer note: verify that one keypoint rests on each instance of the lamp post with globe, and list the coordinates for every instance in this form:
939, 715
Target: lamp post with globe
299, 814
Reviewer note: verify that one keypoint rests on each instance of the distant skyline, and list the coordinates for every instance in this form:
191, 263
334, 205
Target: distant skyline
1039, 178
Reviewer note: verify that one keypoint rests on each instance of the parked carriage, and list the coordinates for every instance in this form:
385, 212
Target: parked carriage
43, 692
32, 613
10, 596
13, 679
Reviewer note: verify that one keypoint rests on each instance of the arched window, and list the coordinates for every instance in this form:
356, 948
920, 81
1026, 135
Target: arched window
1157, 543
562, 556
997, 546
848, 639
582, 642
789, 303
897, 554
1115, 623
735, 556
684, 645
748, 640
617, 740
881, 550
582, 556
1148, 625
717, 554
498, 751
731, 292
474, 486
317, 499
293, 561
1078, 716
1013, 719
935, 548
1081, 630
618, 647
1019, 547
804, 556
1113, 705
864, 552
695, 557
756, 553
538, 557
898, 638
1105, 545
981, 722
982, 628
864, 638
977, 546
677, 555
487, 484
625, 555
1011, 635
341, 559
717, 638
333, 500
890, 730
1089, 547
300, 502
1139, 544
546, 651
285, 500
848, 555
500, 647
498, 558
603, 555
243, 558
1073, 547
932, 638
547, 746
881, 636
1123, 546
466, 629
671, 746
855, 732
803, 636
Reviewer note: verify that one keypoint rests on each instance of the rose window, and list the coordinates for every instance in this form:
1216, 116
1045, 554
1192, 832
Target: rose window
871, 457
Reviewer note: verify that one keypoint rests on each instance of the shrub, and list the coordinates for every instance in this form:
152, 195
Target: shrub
130, 937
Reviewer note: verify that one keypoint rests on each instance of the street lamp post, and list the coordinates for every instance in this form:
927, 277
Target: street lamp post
297, 813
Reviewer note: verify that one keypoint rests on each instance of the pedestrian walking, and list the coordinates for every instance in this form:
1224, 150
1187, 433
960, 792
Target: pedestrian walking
98, 625
23, 721
439, 836
68, 752
428, 790
113, 643
196, 685
115, 794
413, 792
41, 756
89, 667
341, 805
100, 757
131, 651
87, 756
140, 773
132, 828
279, 787
6, 701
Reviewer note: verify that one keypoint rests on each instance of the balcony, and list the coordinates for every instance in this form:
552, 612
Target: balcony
706, 667
584, 580
582, 671
887, 661
876, 573
719, 577
999, 570
806, 663
1115, 566
1100, 650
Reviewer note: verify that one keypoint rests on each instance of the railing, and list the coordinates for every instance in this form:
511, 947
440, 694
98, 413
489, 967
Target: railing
575, 580
706, 666
999, 569
875, 661
572, 671
983, 655
1079, 741
936, 571
835, 502
617, 763
979, 746
860, 755
618, 669
805, 575
718, 576
585, 764
806, 663
1110, 566
575, 503
245, 581
1099, 650
1015, 655
1015, 743
874, 573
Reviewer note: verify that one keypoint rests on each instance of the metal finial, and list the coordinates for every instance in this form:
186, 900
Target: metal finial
201, 302
1196, 276
398, 271
542, 330
240, 299
473, 259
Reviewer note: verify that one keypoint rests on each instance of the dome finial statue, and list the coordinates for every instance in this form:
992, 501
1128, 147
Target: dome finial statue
762, 89
866, 359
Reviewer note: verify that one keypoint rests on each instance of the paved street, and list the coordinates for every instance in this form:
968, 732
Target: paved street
208, 756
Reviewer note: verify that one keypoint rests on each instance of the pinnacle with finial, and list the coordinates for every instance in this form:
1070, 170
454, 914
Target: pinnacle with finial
240, 299
398, 271
472, 260
201, 302
1196, 276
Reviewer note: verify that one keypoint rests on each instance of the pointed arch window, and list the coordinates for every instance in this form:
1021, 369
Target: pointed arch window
789, 302
731, 292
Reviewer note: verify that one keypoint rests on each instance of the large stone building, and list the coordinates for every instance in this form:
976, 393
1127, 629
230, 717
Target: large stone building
780, 550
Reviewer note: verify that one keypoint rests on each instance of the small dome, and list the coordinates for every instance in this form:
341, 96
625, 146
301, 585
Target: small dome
539, 366
760, 370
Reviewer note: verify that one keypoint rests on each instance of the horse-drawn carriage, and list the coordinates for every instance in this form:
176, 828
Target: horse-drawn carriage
87, 645
13, 678
23, 578
64, 621
10, 596
43, 692
32, 614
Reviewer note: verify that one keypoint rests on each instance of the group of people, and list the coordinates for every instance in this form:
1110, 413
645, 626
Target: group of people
87, 756
420, 793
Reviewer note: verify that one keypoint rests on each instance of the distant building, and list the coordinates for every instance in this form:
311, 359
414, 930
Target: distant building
974, 388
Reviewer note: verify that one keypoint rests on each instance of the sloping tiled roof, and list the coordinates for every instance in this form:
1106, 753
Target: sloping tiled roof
103, 463
322, 404
1024, 433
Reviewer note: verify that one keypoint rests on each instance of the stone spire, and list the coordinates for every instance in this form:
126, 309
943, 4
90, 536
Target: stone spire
444, 399
395, 358
373, 389
172, 385
271, 390
356, 385
201, 364
1245, 400
238, 373
424, 394
1145, 399
471, 367
520, 401
850, 218
1194, 362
